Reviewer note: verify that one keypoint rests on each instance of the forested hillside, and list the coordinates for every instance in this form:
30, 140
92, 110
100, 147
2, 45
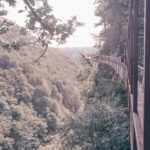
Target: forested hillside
34, 97
102, 125
47, 100
75, 52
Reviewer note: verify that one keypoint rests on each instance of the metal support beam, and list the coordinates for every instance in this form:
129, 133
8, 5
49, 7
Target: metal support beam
146, 137
130, 50
135, 55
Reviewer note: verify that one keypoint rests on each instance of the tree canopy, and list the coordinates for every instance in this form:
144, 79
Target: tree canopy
113, 16
41, 21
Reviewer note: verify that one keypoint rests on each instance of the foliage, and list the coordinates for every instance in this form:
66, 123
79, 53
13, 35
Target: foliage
102, 125
41, 21
113, 16
32, 95
6, 63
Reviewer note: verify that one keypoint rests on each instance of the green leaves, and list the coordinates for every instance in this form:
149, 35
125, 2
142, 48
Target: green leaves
3, 30
42, 22
4, 26
102, 125
11, 2
113, 17
32, 2
15, 45
3, 13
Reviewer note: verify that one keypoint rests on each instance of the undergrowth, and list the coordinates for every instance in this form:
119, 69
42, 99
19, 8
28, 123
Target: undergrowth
102, 125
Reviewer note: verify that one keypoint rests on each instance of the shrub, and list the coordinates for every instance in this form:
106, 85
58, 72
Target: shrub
59, 86
8, 143
15, 113
34, 80
6, 63
5, 117
24, 136
26, 69
71, 100
24, 96
40, 92
1, 139
55, 108
52, 122
41, 104
102, 125
55, 94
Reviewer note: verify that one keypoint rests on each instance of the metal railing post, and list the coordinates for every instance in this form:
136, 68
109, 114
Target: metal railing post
135, 55
146, 137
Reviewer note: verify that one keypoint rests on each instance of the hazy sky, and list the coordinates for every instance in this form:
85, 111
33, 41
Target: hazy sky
64, 9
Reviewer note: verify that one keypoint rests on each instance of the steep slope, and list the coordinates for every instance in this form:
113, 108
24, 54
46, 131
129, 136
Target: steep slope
34, 98
102, 125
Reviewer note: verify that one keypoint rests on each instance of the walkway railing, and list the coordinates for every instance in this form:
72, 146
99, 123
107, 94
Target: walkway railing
136, 78
136, 119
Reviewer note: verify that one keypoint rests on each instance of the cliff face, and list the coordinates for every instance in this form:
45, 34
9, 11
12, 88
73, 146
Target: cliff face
34, 97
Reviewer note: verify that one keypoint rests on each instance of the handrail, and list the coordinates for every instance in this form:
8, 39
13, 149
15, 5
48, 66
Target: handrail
122, 70
135, 77
115, 61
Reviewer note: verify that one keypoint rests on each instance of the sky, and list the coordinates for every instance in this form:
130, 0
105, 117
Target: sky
64, 9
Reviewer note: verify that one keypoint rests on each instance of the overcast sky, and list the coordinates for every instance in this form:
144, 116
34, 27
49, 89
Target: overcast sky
64, 9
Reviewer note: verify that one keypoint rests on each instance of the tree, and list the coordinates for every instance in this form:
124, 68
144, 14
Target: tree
114, 19
41, 21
